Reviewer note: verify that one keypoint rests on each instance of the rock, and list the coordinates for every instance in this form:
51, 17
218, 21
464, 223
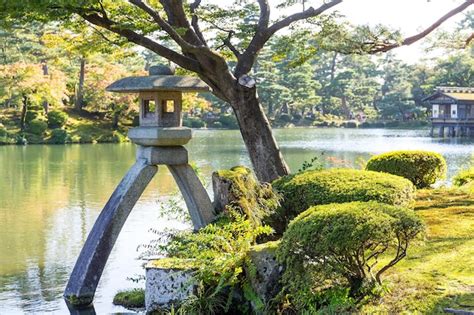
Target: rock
168, 282
265, 273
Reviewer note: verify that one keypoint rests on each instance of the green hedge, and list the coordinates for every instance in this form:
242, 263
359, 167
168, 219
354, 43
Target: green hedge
59, 136
311, 188
194, 122
422, 168
323, 244
57, 119
464, 177
37, 127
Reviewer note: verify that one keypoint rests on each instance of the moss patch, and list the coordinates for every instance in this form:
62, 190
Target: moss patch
439, 272
172, 263
134, 298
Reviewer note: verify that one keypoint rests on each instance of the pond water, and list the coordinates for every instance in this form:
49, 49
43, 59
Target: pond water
50, 197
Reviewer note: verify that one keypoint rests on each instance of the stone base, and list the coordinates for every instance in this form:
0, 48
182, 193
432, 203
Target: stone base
156, 136
168, 282
176, 155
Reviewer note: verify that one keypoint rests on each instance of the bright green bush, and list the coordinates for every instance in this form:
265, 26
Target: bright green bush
59, 136
57, 119
464, 177
310, 188
133, 298
422, 168
339, 246
37, 127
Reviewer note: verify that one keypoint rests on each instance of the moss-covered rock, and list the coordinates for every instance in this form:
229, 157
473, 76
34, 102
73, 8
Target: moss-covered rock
134, 298
239, 189
422, 168
311, 188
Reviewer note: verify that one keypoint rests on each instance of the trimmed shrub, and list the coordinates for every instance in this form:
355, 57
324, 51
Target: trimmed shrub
37, 127
57, 119
464, 177
193, 122
59, 136
422, 168
311, 188
32, 115
342, 244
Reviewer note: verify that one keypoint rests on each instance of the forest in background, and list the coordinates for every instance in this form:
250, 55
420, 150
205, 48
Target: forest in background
53, 80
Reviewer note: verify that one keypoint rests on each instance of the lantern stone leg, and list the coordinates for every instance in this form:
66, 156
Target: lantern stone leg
86, 274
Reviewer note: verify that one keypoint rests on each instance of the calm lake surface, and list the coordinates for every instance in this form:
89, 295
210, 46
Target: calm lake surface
50, 197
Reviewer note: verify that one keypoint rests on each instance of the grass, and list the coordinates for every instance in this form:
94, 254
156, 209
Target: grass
438, 273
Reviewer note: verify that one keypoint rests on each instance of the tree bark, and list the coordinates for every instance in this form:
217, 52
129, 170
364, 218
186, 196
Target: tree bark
265, 155
80, 88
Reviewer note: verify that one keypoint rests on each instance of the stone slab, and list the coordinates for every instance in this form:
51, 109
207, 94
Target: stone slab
155, 136
163, 155
166, 286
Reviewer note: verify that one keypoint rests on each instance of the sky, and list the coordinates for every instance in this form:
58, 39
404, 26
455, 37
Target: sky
408, 16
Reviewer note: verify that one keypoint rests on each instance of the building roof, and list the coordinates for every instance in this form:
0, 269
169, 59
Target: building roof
455, 93
158, 83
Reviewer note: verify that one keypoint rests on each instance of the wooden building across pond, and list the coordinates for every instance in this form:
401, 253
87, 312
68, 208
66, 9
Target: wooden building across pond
452, 111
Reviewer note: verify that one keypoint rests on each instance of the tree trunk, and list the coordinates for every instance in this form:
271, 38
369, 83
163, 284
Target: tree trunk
45, 73
24, 109
267, 160
80, 88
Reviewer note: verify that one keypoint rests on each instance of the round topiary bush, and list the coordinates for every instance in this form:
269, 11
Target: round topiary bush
37, 127
57, 119
32, 115
312, 188
59, 136
340, 245
464, 177
422, 168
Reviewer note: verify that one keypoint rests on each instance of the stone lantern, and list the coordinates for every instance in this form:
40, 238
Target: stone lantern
160, 138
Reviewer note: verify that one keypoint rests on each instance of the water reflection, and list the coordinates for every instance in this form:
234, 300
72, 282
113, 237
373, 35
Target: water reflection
51, 195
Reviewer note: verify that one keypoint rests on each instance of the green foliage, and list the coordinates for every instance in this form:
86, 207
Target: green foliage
193, 122
339, 247
32, 115
59, 136
228, 121
57, 119
310, 188
3, 130
248, 196
464, 177
220, 250
134, 298
313, 164
37, 127
422, 168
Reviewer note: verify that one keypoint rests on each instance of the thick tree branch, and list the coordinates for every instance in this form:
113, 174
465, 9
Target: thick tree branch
163, 24
264, 32
195, 21
132, 36
412, 39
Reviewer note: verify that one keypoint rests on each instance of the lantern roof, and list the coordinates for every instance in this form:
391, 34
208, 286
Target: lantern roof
161, 78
